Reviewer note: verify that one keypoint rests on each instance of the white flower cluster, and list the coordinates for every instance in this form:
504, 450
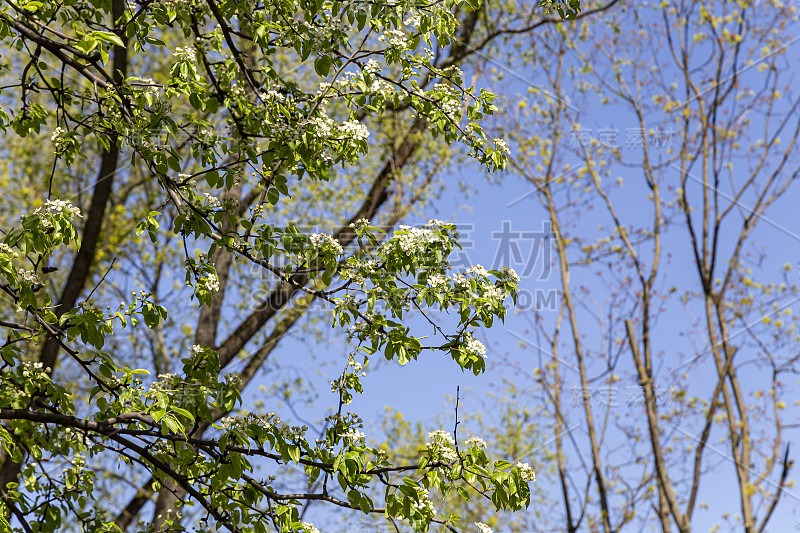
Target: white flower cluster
28, 276
359, 272
483, 528
58, 138
64, 142
444, 88
266, 420
6, 249
210, 282
152, 87
494, 294
501, 146
444, 444
474, 346
449, 454
322, 125
475, 441
394, 38
380, 86
323, 88
360, 224
416, 240
440, 437
371, 67
437, 224
453, 72
319, 240
273, 95
526, 471
354, 437
412, 21
355, 130
186, 54
309, 528
167, 382
510, 273
212, 201
479, 271
424, 505
33, 368
78, 460
461, 281
437, 280
58, 206
451, 107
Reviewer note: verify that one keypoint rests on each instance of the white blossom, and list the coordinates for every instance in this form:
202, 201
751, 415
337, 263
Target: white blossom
494, 294
394, 38
371, 67
461, 281
319, 240
6, 249
479, 271
354, 129
213, 201
210, 282
309, 528
483, 528
274, 95
526, 472
475, 441
474, 346
354, 436
416, 240
152, 87
28, 276
185, 54
322, 125
360, 223
412, 21
33, 368
440, 437
58, 135
437, 280
451, 107
436, 224
501, 146
58, 206
510, 273
267, 421
424, 505
323, 88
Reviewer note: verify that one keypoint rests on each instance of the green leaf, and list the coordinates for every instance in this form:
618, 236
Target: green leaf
294, 452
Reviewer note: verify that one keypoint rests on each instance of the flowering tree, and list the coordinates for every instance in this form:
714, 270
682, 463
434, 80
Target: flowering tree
247, 110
